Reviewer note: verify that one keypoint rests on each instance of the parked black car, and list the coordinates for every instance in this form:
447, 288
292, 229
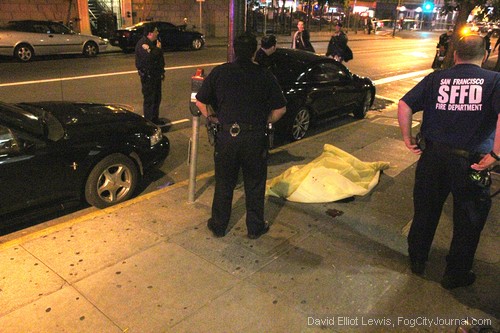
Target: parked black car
54, 151
170, 35
315, 87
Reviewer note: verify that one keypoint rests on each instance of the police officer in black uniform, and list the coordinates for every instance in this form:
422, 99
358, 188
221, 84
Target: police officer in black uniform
461, 131
245, 98
264, 54
151, 67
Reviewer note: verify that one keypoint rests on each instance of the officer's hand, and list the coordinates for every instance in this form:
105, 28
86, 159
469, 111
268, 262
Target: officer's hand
484, 163
213, 119
411, 144
158, 44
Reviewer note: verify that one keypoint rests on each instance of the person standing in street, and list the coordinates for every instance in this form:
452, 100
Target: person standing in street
245, 97
337, 47
267, 48
301, 38
461, 141
150, 65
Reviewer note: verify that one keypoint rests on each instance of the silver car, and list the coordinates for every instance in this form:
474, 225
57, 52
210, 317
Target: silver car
27, 38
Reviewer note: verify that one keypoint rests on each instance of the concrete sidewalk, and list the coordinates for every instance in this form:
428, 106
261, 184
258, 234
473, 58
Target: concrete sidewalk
151, 265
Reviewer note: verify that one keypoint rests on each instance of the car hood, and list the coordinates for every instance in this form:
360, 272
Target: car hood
73, 114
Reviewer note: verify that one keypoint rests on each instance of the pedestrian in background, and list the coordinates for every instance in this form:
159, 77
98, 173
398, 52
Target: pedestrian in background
337, 47
151, 67
267, 48
245, 97
301, 38
461, 114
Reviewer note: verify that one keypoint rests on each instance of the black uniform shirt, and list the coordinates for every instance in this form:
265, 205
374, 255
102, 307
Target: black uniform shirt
461, 106
263, 59
149, 58
241, 92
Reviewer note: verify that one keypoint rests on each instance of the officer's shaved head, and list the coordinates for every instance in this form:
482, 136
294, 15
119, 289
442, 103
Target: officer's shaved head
245, 46
471, 47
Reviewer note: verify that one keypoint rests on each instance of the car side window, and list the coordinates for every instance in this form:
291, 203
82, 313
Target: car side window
41, 28
165, 26
8, 142
58, 29
326, 72
317, 74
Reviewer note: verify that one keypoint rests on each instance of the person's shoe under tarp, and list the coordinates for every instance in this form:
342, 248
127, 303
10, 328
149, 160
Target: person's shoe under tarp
334, 175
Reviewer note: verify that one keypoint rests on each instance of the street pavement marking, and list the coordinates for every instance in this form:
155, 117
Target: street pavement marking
402, 76
83, 77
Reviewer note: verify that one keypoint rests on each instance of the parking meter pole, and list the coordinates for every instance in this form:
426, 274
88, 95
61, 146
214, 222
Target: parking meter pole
193, 158
196, 82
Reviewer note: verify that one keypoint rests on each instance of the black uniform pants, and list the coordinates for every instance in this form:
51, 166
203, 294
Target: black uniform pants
438, 173
248, 152
151, 90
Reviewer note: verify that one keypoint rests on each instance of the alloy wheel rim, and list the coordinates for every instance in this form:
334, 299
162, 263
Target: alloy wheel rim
301, 124
114, 183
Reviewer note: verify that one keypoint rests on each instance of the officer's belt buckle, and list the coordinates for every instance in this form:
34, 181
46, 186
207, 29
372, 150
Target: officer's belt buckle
234, 130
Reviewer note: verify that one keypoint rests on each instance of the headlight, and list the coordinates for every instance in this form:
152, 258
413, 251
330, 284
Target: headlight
155, 137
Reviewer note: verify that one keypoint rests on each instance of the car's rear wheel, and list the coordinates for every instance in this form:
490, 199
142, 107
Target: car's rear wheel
90, 49
300, 124
196, 44
111, 181
23, 52
363, 108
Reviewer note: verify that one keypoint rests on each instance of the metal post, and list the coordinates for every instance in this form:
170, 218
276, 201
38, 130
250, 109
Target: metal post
196, 82
193, 158
201, 27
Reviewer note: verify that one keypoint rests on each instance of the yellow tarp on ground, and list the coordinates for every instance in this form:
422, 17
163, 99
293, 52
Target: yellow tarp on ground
332, 176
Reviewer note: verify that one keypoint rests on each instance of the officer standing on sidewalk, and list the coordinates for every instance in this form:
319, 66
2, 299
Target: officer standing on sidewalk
151, 67
461, 131
267, 48
245, 98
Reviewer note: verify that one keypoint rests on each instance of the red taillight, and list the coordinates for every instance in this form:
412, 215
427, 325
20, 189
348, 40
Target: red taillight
126, 34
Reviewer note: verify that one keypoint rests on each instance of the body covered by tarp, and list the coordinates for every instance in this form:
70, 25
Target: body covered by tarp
332, 176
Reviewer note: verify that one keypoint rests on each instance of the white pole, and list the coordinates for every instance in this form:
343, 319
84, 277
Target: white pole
201, 29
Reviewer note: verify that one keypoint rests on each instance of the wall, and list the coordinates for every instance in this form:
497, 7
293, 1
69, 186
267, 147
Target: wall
55, 10
214, 14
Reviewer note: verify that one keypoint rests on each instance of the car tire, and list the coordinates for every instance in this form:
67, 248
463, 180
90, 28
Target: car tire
363, 108
299, 124
196, 44
90, 49
23, 52
111, 181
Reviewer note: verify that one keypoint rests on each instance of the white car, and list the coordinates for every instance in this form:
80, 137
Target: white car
28, 38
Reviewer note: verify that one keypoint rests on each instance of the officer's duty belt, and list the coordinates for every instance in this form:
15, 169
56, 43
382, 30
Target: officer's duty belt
441, 147
235, 128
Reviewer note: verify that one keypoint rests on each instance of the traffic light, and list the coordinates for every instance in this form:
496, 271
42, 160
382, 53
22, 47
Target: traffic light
428, 7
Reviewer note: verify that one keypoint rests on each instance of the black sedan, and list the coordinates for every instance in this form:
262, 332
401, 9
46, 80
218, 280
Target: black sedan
317, 87
51, 152
171, 36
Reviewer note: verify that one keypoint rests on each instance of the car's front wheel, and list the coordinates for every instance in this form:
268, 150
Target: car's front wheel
362, 109
196, 44
111, 181
300, 124
23, 52
90, 49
